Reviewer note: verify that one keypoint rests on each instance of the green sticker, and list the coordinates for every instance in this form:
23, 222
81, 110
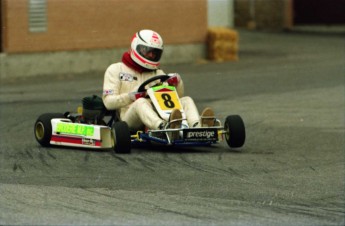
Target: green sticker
75, 129
163, 88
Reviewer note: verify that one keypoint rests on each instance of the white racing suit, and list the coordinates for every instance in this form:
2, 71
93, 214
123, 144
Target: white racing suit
120, 80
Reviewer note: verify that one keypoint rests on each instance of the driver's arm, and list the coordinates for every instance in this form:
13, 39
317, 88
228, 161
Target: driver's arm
180, 88
112, 97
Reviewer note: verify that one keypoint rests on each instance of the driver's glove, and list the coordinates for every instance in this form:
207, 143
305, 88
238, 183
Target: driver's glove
136, 95
174, 79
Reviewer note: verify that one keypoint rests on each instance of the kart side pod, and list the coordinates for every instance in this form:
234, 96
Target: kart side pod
56, 129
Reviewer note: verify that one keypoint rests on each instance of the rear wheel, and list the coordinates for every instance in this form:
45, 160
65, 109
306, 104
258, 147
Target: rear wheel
122, 138
235, 131
43, 128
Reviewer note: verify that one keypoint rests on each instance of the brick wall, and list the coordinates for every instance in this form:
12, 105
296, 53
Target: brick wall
90, 24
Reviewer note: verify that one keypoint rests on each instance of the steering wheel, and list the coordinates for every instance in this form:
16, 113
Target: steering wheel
162, 78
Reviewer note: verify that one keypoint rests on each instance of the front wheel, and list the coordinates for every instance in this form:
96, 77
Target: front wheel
43, 128
235, 131
122, 138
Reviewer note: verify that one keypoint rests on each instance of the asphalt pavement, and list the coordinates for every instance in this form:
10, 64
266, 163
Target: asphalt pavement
288, 88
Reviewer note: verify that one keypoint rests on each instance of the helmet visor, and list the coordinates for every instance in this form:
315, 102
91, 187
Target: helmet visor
149, 53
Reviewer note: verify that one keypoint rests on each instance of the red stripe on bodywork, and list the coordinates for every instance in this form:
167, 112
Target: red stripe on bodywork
73, 140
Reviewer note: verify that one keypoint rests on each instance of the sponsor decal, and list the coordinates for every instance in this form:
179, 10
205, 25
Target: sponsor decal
108, 92
58, 139
200, 135
87, 141
74, 129
127, 77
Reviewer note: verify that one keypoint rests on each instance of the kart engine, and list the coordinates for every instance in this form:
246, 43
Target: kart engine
93, 109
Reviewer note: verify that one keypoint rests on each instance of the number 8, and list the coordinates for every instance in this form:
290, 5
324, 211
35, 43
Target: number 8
167, 100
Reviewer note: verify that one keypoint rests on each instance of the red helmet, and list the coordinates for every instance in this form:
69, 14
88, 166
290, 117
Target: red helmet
147, 49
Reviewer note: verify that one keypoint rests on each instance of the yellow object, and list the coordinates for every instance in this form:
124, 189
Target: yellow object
137, 136
80, 110
220, 135
222, 44
168, 100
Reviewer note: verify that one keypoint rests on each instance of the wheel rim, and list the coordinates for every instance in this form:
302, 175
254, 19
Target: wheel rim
227, 133
113, 138
39, 130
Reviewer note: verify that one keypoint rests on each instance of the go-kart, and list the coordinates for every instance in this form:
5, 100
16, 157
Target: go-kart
93, 126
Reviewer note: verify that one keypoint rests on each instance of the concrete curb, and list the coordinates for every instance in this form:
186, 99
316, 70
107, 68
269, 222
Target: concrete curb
77, 62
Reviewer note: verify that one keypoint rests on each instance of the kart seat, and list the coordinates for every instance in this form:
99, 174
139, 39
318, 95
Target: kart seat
95, 110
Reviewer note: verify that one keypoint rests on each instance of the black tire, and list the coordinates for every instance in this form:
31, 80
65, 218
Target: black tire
236, 133
43, 128
122, 138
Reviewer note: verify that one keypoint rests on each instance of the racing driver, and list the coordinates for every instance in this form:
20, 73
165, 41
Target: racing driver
122, 79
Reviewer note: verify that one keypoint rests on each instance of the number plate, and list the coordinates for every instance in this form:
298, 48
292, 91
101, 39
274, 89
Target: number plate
167, 100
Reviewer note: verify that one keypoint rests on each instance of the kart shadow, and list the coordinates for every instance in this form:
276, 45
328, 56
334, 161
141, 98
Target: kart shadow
172, 149
62, 148
137, 149
156, 148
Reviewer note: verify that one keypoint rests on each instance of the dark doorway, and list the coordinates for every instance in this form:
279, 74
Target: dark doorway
319, 12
